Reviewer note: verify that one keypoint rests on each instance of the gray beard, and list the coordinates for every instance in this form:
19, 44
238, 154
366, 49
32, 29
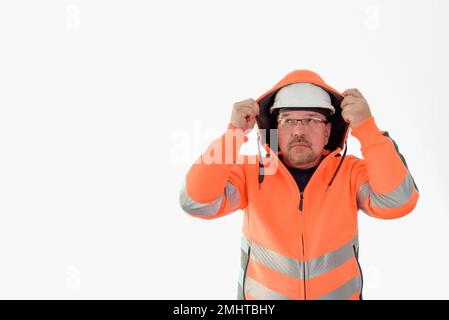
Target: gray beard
298, 159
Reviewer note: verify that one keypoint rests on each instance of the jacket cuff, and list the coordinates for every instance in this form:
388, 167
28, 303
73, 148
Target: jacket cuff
366, 131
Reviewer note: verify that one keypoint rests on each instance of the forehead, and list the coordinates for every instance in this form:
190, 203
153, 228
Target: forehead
299, 113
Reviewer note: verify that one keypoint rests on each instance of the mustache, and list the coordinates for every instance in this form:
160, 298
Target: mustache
299, 140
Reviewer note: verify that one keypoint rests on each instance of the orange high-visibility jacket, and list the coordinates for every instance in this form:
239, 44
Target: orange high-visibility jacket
301, 245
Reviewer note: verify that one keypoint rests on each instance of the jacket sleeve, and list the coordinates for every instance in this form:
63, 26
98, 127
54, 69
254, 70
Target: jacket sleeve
215, 184
382, 182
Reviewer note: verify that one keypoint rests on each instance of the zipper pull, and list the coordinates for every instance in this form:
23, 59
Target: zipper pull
300, 200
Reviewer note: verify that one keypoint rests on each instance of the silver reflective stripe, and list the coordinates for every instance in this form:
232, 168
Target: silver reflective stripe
394, 199
331, 260
244, 245
232, 196
276, 261
209, 209
260, 292
241, 276
240, 293
293, 267
345, 291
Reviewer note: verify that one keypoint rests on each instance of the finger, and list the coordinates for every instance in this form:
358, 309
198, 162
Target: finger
353, 92
245, 103
351, 99
251, 123
246, 108
344, 115
251, 102
253, 108
347, 101
249, 112
256, 108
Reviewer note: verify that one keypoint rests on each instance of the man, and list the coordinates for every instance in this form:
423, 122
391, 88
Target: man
300, 235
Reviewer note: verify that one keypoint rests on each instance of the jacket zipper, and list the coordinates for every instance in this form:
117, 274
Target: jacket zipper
356, 254
288, 174
303, 251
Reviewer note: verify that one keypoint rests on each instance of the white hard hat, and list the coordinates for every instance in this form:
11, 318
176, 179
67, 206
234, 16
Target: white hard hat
302, 95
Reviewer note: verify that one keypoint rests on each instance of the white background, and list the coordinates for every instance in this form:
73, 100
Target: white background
105, 104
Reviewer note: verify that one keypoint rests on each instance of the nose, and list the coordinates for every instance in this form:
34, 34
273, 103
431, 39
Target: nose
298, 130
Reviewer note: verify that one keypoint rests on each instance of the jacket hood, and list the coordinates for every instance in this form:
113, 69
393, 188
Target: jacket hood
267, 121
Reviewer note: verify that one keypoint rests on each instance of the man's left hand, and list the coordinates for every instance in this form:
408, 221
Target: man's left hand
354, 107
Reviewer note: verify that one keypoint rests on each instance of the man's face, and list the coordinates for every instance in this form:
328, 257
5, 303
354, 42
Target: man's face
302, 145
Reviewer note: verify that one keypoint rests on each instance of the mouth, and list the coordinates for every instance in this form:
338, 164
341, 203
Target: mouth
294, 145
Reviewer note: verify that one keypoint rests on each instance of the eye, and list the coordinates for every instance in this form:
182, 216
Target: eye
308, 121
290, 122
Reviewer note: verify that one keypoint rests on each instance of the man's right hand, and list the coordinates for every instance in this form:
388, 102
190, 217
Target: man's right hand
244, 114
